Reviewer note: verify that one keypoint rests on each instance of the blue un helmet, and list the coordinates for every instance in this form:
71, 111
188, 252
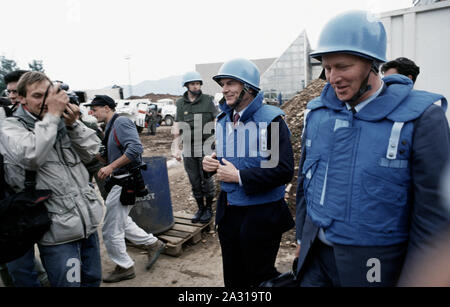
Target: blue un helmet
241, 70
191, 76
354, 32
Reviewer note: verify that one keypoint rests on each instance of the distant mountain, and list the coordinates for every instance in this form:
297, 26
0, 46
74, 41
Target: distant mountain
170, 85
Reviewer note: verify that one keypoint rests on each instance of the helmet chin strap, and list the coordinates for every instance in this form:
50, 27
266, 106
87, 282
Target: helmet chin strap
246, 89
239, 100
365, 86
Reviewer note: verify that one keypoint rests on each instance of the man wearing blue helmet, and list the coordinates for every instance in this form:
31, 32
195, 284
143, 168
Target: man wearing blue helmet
372, 154
253, 161
195, 110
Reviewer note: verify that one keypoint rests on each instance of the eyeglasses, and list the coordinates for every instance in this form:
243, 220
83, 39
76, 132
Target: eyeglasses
10, 92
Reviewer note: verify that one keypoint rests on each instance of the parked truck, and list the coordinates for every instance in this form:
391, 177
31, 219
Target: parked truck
134, 109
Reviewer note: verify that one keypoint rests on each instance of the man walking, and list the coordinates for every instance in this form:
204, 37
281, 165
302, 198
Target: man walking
372, 153
123, 149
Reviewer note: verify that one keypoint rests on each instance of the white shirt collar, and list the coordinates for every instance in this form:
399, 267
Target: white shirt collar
362, 104
240, 113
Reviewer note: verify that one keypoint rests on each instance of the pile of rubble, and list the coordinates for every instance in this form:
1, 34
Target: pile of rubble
155, 97
294, 110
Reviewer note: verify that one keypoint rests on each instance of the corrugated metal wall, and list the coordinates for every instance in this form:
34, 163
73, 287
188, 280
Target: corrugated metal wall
422, 33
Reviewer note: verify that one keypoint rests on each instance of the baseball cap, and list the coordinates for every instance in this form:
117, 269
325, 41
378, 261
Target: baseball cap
102, 100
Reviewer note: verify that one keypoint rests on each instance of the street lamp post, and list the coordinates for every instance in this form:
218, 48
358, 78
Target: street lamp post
128, 58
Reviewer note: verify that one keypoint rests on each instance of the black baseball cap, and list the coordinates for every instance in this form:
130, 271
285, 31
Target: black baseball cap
101, 101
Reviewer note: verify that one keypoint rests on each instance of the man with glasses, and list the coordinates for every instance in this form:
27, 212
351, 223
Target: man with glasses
11, 80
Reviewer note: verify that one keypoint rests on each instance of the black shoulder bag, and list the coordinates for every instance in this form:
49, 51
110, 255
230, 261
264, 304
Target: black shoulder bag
23, 216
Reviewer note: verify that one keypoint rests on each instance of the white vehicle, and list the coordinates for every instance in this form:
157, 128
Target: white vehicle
134, 109
85, 113
168, 111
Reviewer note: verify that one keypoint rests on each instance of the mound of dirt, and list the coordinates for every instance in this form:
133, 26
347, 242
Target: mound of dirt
155, 97
294, 110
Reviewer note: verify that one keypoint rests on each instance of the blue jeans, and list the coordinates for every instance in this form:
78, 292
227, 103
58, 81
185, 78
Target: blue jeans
22, 271
74, 264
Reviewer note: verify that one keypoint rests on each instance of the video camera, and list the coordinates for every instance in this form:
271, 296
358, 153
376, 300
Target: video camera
131, 181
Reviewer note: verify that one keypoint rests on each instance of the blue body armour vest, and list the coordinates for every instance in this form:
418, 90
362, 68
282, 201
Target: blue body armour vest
246, 146
357, 172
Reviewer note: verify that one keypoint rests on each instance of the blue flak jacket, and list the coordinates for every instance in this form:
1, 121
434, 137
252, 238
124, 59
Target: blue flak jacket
246, 146
357, 172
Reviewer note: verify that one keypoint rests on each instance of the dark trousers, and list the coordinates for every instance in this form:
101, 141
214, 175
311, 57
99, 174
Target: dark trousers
151, 126
201, 186
352, 266
250, 238
320, 267
23, 272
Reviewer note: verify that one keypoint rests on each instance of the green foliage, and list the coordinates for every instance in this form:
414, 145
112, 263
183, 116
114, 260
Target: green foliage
36, 65
6, 66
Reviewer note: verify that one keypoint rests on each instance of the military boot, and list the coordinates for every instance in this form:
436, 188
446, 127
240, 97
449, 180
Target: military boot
201, 209
207, 213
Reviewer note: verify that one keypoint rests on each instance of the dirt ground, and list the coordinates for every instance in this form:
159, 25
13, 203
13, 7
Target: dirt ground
200, 265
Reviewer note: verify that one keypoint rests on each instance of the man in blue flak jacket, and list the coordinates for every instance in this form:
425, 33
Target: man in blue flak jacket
372, 154
253, 161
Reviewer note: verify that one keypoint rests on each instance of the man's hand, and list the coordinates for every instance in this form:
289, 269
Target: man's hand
177, 154
175, 147
105, 172
56, 101
72, 115
210, 163
227, 172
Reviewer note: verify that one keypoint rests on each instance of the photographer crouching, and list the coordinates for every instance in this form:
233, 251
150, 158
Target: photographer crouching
123, 158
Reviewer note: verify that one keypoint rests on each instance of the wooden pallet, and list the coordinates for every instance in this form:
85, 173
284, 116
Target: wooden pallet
182, 232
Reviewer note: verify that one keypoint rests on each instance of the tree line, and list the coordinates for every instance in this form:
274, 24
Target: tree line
8, 65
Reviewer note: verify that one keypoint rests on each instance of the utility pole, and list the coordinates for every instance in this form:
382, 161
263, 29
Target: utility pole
128, 58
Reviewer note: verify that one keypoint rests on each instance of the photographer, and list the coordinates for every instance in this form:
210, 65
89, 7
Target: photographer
45, 136
123, 149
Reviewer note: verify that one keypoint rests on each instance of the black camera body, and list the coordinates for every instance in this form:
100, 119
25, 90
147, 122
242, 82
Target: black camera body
73, 98
102, 151
141, 189
132, 183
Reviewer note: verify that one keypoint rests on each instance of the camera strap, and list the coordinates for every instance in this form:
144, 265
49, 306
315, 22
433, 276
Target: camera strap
108, 132
43, 101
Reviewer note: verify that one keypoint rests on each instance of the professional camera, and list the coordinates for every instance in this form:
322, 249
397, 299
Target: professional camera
73, 98
132, 183
135, 170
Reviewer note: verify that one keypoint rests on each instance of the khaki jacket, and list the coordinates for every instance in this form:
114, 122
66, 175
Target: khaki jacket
74, 207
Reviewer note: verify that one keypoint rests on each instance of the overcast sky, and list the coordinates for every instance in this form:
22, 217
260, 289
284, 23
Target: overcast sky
85, 42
